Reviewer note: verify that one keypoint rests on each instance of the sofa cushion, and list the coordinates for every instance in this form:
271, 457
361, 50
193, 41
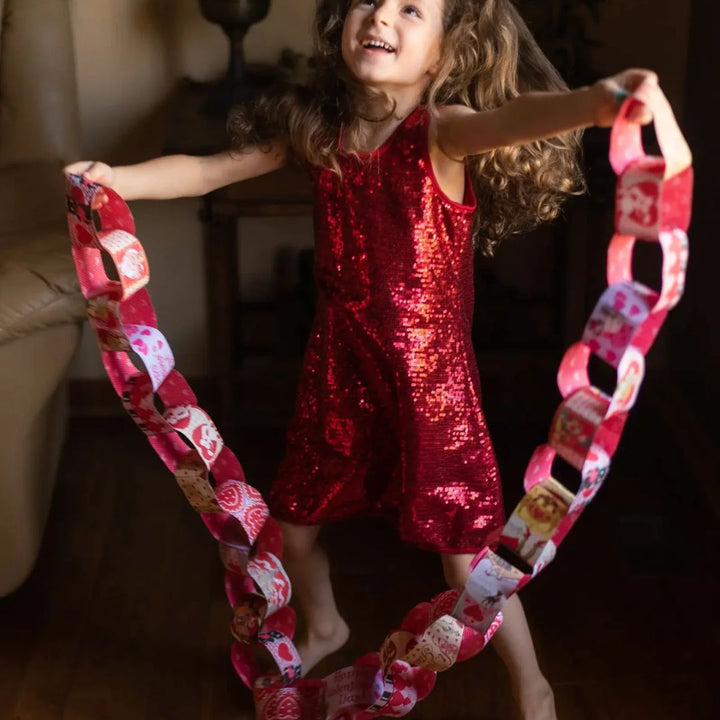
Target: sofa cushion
38, 284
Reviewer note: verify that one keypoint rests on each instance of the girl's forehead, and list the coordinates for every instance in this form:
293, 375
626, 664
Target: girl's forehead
428, 8
437, 4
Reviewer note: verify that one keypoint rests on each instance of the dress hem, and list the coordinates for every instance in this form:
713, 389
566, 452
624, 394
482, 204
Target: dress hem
417, 545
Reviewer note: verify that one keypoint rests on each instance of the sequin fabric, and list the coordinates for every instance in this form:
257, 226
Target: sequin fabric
388, 414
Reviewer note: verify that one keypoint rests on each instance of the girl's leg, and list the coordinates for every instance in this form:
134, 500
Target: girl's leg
514, 645
309, 571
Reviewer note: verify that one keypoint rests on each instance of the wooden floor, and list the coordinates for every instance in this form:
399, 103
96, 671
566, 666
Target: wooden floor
124, 617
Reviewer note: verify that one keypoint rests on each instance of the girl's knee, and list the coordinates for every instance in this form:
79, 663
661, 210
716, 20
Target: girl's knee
298, 540
457, 570
455, 578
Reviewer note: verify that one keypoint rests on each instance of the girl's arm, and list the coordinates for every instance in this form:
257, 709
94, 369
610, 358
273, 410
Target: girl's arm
174, 176
462, 131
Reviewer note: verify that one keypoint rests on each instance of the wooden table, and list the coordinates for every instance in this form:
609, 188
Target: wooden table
284, 193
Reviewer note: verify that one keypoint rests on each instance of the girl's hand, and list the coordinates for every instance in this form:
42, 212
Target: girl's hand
611, 92
96, 172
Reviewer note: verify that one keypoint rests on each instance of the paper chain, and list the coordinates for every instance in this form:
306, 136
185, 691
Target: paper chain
653, 203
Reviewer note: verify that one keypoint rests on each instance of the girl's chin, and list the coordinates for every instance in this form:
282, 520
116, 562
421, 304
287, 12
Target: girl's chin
370, 78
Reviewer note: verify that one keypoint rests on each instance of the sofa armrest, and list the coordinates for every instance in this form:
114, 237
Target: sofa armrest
38, 284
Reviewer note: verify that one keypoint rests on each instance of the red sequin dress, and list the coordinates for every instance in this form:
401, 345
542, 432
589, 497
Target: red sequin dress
388, 413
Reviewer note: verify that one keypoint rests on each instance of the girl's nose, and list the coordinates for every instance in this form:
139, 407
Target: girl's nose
381, 15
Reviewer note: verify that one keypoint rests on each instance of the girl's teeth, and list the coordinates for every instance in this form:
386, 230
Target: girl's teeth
380, 46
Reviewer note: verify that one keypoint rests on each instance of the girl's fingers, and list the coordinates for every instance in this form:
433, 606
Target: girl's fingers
99, 200
93, 171
644, 92
641, 115
77, 168
633, 80
640, 84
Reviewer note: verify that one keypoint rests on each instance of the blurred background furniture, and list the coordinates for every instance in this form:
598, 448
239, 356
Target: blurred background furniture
284, 193
41, 308
235, 17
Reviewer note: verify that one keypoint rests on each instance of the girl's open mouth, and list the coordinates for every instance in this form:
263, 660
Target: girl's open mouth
378, 46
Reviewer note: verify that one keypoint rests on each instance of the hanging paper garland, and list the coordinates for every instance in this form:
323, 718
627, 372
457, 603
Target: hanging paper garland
653, 204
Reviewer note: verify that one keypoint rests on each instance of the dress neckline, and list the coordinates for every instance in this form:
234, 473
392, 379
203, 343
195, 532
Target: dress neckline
380, 149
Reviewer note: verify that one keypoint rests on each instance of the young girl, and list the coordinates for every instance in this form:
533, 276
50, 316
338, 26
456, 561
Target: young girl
429, 124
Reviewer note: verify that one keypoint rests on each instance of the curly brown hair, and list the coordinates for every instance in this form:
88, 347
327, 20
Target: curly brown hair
489, 57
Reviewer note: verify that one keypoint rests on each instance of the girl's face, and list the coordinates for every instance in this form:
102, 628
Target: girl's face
393, 44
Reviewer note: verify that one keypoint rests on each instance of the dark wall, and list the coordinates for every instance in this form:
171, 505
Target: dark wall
695, 330
645, 33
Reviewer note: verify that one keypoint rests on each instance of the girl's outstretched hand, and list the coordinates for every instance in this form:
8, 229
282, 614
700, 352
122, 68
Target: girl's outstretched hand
611, 92
97, 172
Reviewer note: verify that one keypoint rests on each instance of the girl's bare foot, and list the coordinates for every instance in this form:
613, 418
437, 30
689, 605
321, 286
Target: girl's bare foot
536, 701
319, 644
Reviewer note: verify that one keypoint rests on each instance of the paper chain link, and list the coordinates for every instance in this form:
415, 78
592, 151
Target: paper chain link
653, 204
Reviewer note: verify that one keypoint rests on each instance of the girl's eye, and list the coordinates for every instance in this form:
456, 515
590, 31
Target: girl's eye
411, 10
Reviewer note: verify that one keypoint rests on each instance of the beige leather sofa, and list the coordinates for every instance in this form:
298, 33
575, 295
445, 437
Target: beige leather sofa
40, 307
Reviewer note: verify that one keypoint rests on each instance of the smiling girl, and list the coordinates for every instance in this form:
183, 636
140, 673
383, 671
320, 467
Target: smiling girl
431, 128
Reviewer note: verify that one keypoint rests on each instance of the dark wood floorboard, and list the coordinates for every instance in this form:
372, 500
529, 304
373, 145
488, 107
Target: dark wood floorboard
124, 617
